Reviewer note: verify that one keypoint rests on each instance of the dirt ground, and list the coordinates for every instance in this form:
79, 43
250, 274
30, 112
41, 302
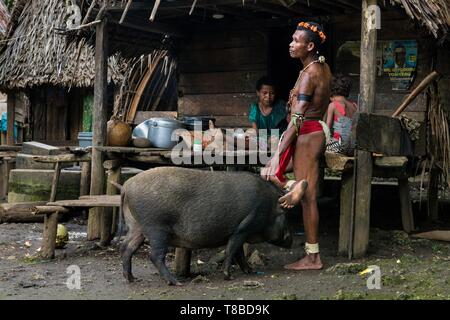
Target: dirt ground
410, 268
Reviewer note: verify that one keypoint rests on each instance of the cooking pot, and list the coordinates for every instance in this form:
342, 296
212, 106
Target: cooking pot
191, 121
160, 132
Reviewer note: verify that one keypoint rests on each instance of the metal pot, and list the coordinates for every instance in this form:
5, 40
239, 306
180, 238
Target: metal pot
160, 132
191, 121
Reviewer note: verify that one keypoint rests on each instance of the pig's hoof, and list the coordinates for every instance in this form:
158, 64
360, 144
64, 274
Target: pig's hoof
129, 277
174, 283
249, 271
228, 277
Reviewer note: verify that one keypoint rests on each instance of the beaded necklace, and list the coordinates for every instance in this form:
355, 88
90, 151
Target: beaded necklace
292, 94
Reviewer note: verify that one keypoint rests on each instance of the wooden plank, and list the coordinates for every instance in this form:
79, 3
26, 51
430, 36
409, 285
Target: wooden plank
131, 150
99, 123
8, 154
405, 205
182, 261
232, 122
220, 60
48, 209
229, 39
390, 161
217, 104
382, 134
220, 82
10, 148
364, 158
90, 201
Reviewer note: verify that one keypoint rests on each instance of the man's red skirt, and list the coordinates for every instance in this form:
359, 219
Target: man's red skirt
309, 126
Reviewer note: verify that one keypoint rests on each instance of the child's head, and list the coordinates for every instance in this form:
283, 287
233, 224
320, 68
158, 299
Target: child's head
341, 86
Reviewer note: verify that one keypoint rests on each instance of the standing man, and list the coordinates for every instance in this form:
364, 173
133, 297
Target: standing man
304, 140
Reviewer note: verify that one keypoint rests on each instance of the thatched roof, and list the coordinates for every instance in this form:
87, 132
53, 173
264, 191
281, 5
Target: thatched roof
36, 55
4, 18
434, 14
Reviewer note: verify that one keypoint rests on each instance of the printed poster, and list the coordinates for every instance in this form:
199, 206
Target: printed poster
400, 62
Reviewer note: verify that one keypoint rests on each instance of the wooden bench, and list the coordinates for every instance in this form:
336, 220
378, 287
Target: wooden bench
8, 156
51, 210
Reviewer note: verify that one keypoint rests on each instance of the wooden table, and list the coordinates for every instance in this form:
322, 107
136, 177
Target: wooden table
117, 157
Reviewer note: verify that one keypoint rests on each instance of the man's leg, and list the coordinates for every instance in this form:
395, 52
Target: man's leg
306, 167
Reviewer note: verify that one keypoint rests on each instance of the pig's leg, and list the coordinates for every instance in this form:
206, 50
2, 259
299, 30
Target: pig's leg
158, 256
134, 240
235, 244
242, 261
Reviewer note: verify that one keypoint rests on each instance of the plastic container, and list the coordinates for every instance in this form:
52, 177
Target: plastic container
85, 139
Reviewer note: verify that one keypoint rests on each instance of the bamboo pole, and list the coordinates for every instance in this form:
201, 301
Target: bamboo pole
410, 98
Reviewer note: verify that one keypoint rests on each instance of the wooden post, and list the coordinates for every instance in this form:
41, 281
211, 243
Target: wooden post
11, 109
346, 211
364, 158
107, 215
4, 179
99, 124
6, 165
405, 205
85, 178
49, 235
182, 261
55, 180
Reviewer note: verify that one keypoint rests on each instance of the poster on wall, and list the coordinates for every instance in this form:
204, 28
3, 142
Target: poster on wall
400, 62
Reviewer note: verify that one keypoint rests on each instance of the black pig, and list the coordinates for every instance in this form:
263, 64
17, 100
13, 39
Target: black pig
194, 209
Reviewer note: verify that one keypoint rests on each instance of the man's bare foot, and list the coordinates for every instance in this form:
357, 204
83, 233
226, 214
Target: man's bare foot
309, 262
294, 196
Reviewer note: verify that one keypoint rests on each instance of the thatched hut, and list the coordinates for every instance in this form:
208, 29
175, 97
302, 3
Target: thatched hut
49, 78
4, 18
223, 47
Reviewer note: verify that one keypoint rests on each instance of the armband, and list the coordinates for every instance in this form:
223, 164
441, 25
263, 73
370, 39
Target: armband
304, 97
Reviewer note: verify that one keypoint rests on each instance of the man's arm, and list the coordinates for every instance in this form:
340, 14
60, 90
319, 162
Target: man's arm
330, 115
302, 102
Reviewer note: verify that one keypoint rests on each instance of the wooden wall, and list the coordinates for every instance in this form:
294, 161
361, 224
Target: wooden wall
218, 74
56, 115
394, 26
218, 70
443, 66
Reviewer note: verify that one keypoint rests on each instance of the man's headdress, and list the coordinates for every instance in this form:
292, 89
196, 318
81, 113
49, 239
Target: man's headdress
313, 28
